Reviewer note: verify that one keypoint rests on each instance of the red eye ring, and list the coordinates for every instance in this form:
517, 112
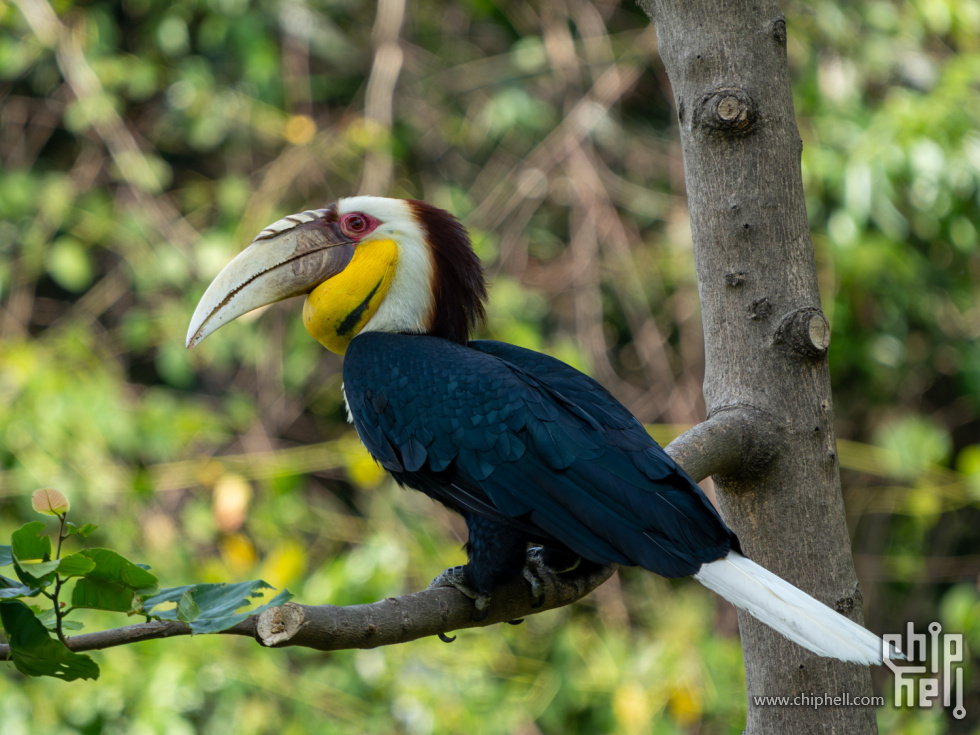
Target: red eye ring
356, 224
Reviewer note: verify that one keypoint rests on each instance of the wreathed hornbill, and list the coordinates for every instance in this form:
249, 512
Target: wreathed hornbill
526, 448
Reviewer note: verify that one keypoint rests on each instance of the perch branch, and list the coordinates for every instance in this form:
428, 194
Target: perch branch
393, 620
717, 446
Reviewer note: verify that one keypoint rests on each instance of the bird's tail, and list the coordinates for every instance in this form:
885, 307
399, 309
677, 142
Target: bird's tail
791, 611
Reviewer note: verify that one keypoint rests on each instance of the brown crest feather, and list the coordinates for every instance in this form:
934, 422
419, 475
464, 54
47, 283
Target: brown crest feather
458, 286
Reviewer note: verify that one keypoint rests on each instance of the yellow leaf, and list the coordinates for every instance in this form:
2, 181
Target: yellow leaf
367, 134
300, 129
365, 472
50, 502
685, 704
285, 564
362, 469
631, 707
232, 497
238, 553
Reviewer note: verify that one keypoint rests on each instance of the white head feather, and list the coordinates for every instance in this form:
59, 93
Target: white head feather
408, 306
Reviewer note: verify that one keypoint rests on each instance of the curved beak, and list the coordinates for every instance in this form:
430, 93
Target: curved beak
288, 258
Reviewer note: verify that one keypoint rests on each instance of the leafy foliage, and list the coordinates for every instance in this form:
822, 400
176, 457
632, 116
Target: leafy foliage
35, 652
210, 608
105, 580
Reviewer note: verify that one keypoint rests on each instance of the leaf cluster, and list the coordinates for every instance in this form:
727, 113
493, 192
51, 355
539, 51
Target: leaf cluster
103, 580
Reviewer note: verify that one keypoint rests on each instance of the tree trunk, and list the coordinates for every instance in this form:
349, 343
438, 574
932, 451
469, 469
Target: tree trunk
766, 376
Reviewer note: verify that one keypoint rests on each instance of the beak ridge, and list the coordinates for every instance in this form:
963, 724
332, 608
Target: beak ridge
288, 258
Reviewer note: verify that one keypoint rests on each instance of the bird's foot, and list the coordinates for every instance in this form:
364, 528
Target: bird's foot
542, 567
455, 577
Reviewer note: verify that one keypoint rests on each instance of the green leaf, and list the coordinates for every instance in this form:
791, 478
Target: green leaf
35, 652
6, 555
28, 543
38, 569
83, 531
49, 621
167, 594
114, 567
9, 589
112, 583
75, 565
101, 594
187, 610
216, 604
968, 462
916, 443
69, 264
31, 553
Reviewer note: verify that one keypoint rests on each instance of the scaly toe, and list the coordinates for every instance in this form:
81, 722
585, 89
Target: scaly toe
456, 578
453, 577
539, 575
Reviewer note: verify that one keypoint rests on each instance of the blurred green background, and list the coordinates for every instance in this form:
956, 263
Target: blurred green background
144, 143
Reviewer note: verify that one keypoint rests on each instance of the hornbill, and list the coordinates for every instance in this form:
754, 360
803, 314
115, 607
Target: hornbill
526, 448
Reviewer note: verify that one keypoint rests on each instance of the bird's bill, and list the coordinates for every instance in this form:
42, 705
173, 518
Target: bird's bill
288, 258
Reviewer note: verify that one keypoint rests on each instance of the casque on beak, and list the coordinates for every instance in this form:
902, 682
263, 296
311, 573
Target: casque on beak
288, 258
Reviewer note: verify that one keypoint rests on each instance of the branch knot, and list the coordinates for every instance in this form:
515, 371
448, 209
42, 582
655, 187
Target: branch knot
726, 112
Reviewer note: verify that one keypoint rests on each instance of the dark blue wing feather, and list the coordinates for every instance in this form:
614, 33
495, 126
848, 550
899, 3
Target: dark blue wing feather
527, 441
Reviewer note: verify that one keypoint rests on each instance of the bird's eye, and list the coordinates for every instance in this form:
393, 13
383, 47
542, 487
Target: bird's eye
354, 224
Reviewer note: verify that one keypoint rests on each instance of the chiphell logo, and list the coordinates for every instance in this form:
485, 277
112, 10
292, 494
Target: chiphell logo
939, 673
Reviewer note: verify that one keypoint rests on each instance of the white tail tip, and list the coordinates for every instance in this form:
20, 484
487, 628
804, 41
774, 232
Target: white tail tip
792, 612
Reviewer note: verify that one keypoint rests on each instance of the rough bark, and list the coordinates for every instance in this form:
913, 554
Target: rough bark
765, 337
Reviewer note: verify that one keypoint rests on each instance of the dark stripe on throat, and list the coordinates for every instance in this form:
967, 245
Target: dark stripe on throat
350, 321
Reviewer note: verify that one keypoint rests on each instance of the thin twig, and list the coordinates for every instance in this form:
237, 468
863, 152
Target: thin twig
379, 98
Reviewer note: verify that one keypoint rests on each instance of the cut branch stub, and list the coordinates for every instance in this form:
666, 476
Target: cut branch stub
727, 112
732, 441
806, 330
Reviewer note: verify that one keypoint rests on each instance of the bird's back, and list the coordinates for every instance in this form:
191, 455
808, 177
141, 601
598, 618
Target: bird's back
526, 440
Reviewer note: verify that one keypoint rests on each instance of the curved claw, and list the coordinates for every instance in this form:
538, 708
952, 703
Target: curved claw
445, 638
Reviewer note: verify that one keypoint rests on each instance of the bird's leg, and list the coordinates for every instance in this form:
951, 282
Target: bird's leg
544, 564
457, 577
496, 553
540, 574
